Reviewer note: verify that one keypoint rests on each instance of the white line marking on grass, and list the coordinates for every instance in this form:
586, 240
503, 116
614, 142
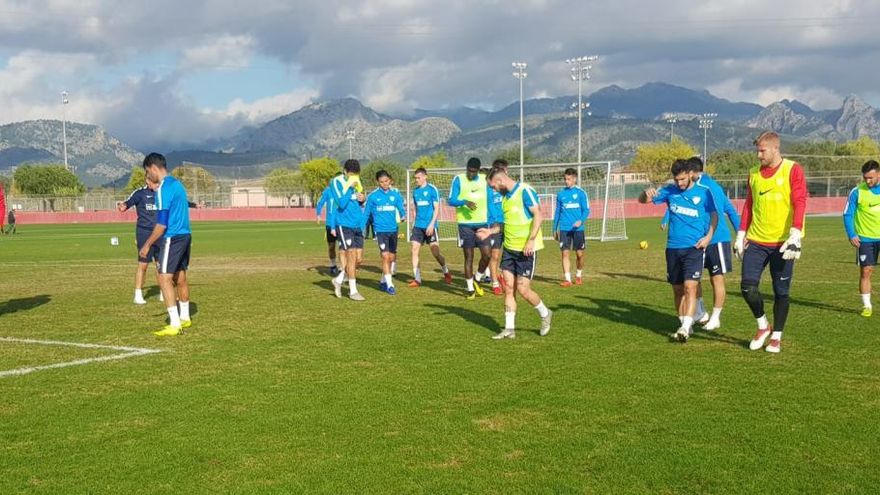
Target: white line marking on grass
127, 353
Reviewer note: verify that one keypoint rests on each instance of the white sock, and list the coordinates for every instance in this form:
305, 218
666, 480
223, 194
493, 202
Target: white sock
470, 284
700, 307
763, 324
680, 319
495, 283
139, 294
418, 274
580, 273
542, 310
184, 310
388, 281
509, 320
716, 313
568, 276
161, 296
687, 322
445, 269
352, 286
173, 316
776, 336
866, 300
340, 277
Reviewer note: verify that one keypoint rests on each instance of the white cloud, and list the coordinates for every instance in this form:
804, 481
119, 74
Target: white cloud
223, 52
269, 108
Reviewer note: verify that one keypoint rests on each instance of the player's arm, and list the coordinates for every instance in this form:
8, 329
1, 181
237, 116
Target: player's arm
400, 208
739, 246
791, 248
432, 225
158, 230
665, 220
368, 212
531, 203
556, 216
849, 223
713, 220
322, 201
128, 203
454, 192
585, 206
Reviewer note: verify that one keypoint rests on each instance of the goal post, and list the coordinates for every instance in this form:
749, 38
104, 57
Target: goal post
600, 180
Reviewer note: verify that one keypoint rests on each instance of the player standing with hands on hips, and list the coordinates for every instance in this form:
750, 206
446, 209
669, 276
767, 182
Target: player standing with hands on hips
770, 232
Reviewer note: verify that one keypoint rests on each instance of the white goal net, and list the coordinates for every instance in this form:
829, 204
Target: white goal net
601, 181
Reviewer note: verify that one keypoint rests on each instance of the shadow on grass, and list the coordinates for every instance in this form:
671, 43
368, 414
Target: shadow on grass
24, 304
635, 276
628, 313
820, 305
475, 317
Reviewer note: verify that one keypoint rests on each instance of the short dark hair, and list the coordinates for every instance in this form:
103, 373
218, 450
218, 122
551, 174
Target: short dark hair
500, 163
352, 166
474, 163
421, 170
870, 165
495, 171
382, 173
680, 166
696, 163
155, 159
570, 171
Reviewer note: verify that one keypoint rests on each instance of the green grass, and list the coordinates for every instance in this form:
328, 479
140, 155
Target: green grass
281, 388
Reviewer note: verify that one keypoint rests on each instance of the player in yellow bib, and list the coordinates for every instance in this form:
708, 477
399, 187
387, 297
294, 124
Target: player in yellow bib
770, 232
861, 219
522, 241
469, 194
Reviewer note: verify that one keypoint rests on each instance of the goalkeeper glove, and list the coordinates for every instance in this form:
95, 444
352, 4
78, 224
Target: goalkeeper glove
791, 248
739, 246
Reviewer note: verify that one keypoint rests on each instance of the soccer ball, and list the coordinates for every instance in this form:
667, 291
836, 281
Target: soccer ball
643, 245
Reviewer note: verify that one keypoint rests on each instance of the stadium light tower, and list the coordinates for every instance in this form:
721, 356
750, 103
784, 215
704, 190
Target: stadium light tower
64, 102
349, 134
580, 71
672, 120
706, 121
520, 73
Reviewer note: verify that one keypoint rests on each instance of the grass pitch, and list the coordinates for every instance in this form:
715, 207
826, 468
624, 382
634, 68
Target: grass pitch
281, 388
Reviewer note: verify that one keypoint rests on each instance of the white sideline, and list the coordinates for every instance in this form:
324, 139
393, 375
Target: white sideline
128, 352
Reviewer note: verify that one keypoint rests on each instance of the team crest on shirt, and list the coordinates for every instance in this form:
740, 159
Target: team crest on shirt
391, 199
697, 200
574, 196
425, 194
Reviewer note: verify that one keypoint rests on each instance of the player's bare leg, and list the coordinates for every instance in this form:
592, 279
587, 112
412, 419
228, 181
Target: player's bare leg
435, 250
566, 268
139, 277
579, 254
719, 296
865, 290
509, 331
182, 289
524, 288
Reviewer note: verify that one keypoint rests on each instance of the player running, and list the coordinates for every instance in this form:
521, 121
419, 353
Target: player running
770, 232
861, 219
426, 199
384, 207
522, 241
469, 194
348, 196
569, 226
719, 256
692, 221
172, 226
326, 203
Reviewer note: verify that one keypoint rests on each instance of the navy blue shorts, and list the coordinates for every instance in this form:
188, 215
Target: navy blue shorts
467, 236
867, 253
718, 258
684, 264
174, 253
572, 240
387, 242
519, 264
329, 234
757, 257
419, 235
349, 238
142, 235
496, 241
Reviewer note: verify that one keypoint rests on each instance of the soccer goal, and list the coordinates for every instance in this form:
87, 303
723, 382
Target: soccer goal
602, 182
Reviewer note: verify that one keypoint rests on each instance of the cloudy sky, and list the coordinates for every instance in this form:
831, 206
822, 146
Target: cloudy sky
161, 72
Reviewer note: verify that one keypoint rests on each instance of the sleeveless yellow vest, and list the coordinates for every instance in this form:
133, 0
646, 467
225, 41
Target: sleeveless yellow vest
517, 224
475, 191
772, 211
867, 214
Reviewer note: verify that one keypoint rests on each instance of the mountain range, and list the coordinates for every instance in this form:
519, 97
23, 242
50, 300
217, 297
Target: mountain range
620, 120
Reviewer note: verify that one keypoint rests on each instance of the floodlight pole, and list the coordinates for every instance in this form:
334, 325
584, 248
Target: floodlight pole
64, 102
350, 136
580, 70
521, 74
672, 121
706, 121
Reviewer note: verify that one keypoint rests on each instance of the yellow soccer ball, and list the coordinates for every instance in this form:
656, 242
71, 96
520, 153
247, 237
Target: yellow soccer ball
643, 245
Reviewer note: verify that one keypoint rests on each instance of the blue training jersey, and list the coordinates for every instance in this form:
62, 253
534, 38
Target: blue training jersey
425, 198
143, 200
724, 206
496, 213
849, 220
173, 207
572, 205
384, 208
689, 214
327, 203
349, 213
